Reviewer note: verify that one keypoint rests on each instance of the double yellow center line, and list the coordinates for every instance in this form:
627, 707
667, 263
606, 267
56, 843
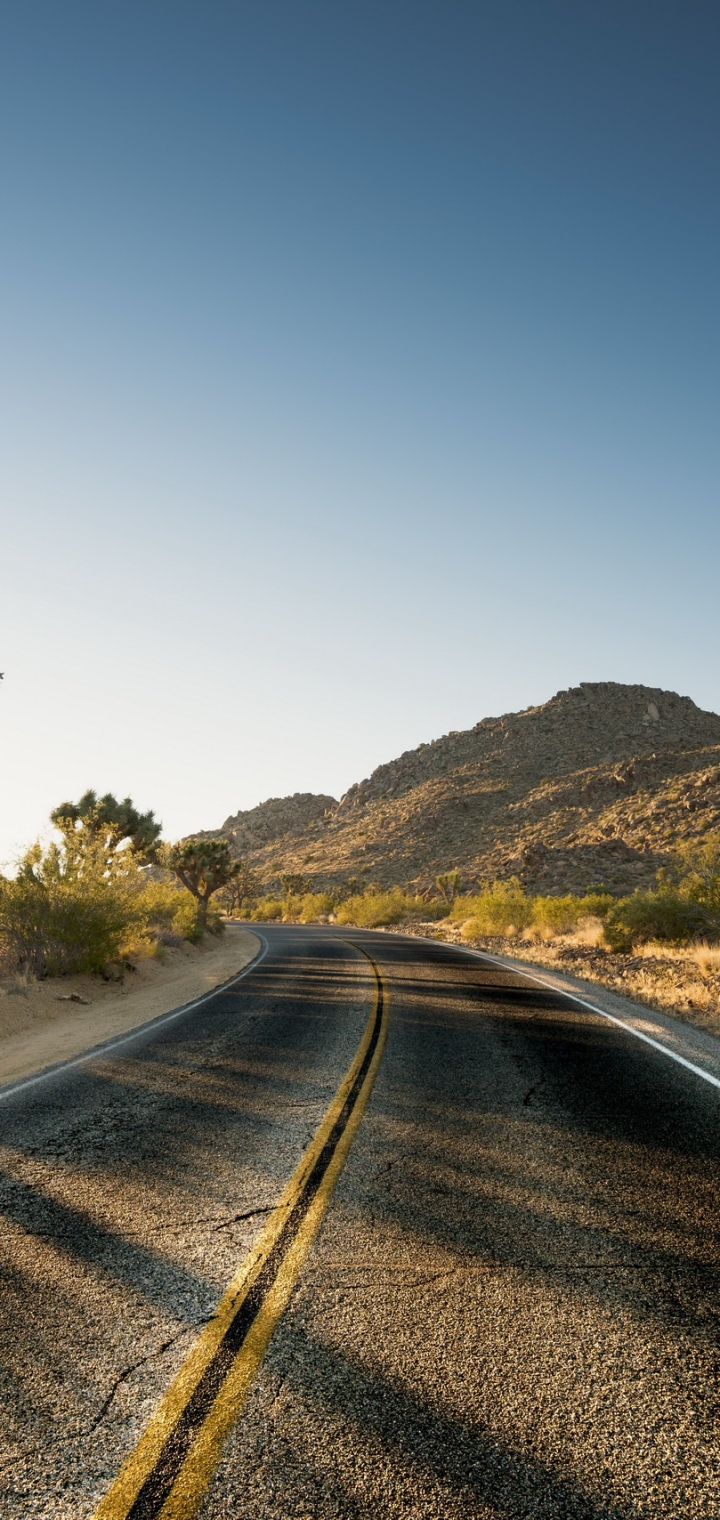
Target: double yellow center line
167, 1474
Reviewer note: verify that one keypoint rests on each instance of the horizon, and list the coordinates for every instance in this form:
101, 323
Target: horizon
48, 830
655, 691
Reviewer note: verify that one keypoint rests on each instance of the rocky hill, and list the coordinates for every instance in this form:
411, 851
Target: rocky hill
593, 787
284, 818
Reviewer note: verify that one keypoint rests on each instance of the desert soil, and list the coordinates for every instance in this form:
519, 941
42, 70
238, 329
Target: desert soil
42, 1023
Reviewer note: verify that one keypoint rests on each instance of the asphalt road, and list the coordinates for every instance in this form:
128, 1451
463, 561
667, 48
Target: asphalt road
512, 1309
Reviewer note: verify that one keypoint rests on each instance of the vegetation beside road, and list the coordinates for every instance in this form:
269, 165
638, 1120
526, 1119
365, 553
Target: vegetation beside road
684, 906
107, 892
661, 946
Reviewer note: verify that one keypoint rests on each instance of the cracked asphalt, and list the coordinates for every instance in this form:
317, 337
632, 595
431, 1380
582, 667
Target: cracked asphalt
512, 1309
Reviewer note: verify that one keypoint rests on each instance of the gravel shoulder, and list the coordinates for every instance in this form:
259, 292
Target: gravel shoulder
42, 1023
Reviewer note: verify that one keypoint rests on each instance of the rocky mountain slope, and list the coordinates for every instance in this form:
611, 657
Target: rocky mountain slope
592, 787
280, 818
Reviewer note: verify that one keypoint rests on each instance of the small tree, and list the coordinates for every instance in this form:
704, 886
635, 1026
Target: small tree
202, 865
243, 887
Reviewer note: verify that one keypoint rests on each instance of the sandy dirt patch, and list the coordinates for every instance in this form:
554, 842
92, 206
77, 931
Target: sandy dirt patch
45, 1022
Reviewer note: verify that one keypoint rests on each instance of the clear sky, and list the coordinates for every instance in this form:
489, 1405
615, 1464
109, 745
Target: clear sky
359, 380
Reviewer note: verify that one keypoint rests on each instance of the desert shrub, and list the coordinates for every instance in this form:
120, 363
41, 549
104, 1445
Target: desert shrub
88, 900
666, 915
315, 905
562, 915
505, 907
502, 907
695, 872
558, 915
267, 910
48, 928
432, 908
372, 910
166, 912
597, 904
185, 920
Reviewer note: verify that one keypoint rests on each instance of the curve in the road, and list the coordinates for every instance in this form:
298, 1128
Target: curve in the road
511, 1310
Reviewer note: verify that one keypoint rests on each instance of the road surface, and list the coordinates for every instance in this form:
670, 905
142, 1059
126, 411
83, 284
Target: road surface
512, 1306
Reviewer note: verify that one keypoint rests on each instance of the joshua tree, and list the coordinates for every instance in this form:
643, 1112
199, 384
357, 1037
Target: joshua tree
293, 884
202, 865
244, 885
448, 884
96, 827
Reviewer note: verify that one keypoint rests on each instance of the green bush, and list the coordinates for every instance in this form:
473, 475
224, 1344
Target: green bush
56, 927
505, 907
81, 903
558, 915
695, 871
166, 911
500, 908
666, 915
561, 915
433, 908
597, 904
267, 910
315, 905
372, 910
184, 921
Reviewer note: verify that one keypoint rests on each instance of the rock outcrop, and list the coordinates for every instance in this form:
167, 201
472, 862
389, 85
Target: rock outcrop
280, 818
593, 787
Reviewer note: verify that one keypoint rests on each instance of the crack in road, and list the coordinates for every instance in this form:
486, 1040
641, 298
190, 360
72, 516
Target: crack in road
128, 1371
251, 1214
181, 1224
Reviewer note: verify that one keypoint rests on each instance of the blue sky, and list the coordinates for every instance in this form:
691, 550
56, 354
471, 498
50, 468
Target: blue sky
359, 379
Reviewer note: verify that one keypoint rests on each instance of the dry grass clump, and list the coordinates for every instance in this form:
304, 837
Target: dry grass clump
589, 930
707, 957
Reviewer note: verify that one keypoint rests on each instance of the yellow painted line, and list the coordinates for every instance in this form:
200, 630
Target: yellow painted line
167, 1474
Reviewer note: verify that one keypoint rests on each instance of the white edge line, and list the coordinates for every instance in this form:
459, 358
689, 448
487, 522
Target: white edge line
592, 1008
540, 981
132, 1034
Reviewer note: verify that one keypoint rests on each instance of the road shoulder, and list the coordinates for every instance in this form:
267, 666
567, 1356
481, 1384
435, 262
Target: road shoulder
40, 1026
